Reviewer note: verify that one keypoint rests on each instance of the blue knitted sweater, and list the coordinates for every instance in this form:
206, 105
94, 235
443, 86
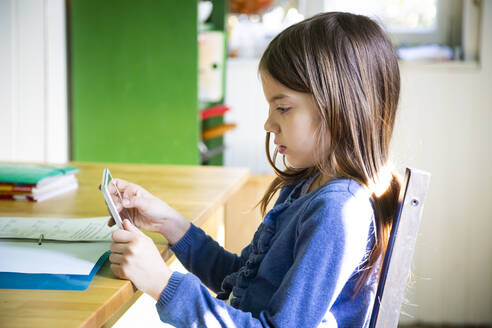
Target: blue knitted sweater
300, 270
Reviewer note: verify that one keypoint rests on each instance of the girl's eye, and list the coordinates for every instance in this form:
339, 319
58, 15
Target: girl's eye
283, 109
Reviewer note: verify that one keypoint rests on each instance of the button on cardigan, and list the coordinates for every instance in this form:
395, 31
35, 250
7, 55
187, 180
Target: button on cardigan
300, 270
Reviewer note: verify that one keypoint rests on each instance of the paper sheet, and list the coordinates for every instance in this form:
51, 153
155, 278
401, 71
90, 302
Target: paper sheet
50, 257
86, 229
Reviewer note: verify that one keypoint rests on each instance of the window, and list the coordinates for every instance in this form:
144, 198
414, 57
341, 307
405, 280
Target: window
420, 29
448, 29
410, 22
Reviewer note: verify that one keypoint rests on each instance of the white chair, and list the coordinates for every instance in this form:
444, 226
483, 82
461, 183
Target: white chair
401, 245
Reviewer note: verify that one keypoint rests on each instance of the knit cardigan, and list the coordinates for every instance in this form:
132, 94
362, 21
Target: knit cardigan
300, 270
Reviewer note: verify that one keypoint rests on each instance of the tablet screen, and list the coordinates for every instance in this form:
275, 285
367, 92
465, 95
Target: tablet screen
110, 199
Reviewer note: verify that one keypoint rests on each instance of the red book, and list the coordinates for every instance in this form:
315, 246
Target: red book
214, 111
17, 197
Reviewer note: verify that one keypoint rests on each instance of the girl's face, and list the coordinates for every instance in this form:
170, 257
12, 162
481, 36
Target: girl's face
293, 119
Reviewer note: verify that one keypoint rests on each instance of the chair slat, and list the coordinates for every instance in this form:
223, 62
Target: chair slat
401, 246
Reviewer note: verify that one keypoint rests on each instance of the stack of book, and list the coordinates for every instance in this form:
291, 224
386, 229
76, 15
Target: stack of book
36, 183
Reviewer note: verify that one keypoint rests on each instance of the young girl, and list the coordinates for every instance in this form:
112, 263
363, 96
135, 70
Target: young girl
332, 84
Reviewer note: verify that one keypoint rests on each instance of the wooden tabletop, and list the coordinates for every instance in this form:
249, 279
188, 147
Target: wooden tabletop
195, 191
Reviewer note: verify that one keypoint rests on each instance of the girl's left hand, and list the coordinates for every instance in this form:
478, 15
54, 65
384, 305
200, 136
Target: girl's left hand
134, 256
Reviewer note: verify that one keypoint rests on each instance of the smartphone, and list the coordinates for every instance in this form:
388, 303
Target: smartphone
106, 180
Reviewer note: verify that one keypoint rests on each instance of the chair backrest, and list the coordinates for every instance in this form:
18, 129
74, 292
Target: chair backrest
399, 253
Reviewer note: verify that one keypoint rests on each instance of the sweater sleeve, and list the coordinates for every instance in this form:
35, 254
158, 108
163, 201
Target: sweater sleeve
205, 258
330, 244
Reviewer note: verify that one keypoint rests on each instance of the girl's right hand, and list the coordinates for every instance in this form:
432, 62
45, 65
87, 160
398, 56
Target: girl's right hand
148, 211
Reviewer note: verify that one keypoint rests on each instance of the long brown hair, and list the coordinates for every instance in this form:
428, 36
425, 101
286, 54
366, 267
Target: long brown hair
348, 64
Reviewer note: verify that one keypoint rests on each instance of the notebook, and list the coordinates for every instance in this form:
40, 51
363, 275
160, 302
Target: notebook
52, 253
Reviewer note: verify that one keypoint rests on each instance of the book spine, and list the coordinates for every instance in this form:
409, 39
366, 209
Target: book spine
17, 198
213, 111
13, 192
15, 188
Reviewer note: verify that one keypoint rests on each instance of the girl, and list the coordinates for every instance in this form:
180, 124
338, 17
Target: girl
332, 83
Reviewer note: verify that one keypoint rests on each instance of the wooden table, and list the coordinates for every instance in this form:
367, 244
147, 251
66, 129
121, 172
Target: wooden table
199, 193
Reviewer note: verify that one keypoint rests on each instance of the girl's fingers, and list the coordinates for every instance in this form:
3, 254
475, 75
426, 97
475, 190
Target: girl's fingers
118, 271
122, 185
130, 202
117, 248
116, 258
112, 185
122, 236
127, 190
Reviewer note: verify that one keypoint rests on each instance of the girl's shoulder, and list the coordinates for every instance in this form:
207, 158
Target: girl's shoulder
342, 201
340, 187
345, 187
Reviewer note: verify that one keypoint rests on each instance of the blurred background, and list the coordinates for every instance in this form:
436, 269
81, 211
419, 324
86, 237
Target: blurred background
175, 82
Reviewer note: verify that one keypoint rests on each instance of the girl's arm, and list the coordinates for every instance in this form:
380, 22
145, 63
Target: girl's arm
331, 243
204, 257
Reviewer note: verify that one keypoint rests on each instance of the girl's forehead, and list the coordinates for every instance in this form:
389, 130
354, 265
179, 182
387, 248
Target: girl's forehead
273, 85
266, 77
276, 91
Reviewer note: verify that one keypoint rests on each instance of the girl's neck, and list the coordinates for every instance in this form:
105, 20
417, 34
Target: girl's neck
320, 180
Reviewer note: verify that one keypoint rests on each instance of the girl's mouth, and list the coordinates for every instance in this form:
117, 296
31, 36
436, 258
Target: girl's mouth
281, 149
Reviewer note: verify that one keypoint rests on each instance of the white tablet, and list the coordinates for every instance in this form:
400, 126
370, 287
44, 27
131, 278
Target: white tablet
106, 179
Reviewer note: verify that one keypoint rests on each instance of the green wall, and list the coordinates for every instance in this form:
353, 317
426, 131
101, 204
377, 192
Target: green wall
133, 81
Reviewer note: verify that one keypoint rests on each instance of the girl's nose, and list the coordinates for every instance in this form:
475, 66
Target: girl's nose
270, 126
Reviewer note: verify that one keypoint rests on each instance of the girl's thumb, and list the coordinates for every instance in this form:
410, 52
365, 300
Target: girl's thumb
126, 203
129, 226
135, 202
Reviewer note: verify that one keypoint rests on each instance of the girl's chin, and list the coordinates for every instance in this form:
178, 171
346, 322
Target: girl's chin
291, 162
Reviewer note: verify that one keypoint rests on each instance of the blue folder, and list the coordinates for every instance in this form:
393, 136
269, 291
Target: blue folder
16, 280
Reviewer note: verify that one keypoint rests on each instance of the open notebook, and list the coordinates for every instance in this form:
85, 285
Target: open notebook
52, 253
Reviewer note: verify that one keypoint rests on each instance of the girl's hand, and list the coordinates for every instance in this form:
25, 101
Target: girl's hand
148, 211
134, 256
